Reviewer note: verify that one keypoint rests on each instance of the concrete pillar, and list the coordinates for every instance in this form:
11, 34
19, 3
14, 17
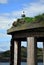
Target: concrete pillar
43, 53
17, 52
31, 51
12, 52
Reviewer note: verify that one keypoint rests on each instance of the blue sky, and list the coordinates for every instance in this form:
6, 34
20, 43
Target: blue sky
10, 10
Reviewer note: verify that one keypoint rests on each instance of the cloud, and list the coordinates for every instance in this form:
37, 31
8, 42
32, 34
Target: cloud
4, 46
4, 42
3, 1
5, 38
33, 9
40, 44
2, 35
24, 43
42, 1
6, 22
1, 50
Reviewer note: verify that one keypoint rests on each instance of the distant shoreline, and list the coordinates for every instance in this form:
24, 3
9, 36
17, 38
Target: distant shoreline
21, 60
4, 60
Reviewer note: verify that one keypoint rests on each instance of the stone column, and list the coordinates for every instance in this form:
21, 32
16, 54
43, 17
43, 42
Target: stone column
31, 51
43, 53
12, 52
17, 52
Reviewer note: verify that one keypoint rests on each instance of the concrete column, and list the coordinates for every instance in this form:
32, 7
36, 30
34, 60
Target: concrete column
17, 52
12, 52
31, 51
43, 53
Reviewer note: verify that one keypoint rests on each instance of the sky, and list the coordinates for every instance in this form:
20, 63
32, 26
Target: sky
10, 10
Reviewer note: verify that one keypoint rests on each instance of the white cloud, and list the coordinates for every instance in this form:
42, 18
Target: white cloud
33, 9
42, 1
40, 44
17, 13
3, 1
24, 43
4, 48
1, 50
2, 35
6, 22
4, 44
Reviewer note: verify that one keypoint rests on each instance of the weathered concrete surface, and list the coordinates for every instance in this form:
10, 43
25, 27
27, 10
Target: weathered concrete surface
12, 52
24, 34
25, 26
31, 49
15, 52
19, 53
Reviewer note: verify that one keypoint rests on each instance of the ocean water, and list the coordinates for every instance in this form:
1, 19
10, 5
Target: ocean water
22, 63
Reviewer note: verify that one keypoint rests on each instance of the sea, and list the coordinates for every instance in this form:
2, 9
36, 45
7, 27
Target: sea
22, 63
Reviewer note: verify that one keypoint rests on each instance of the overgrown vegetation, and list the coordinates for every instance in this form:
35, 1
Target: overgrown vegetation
37, 18
19, 22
